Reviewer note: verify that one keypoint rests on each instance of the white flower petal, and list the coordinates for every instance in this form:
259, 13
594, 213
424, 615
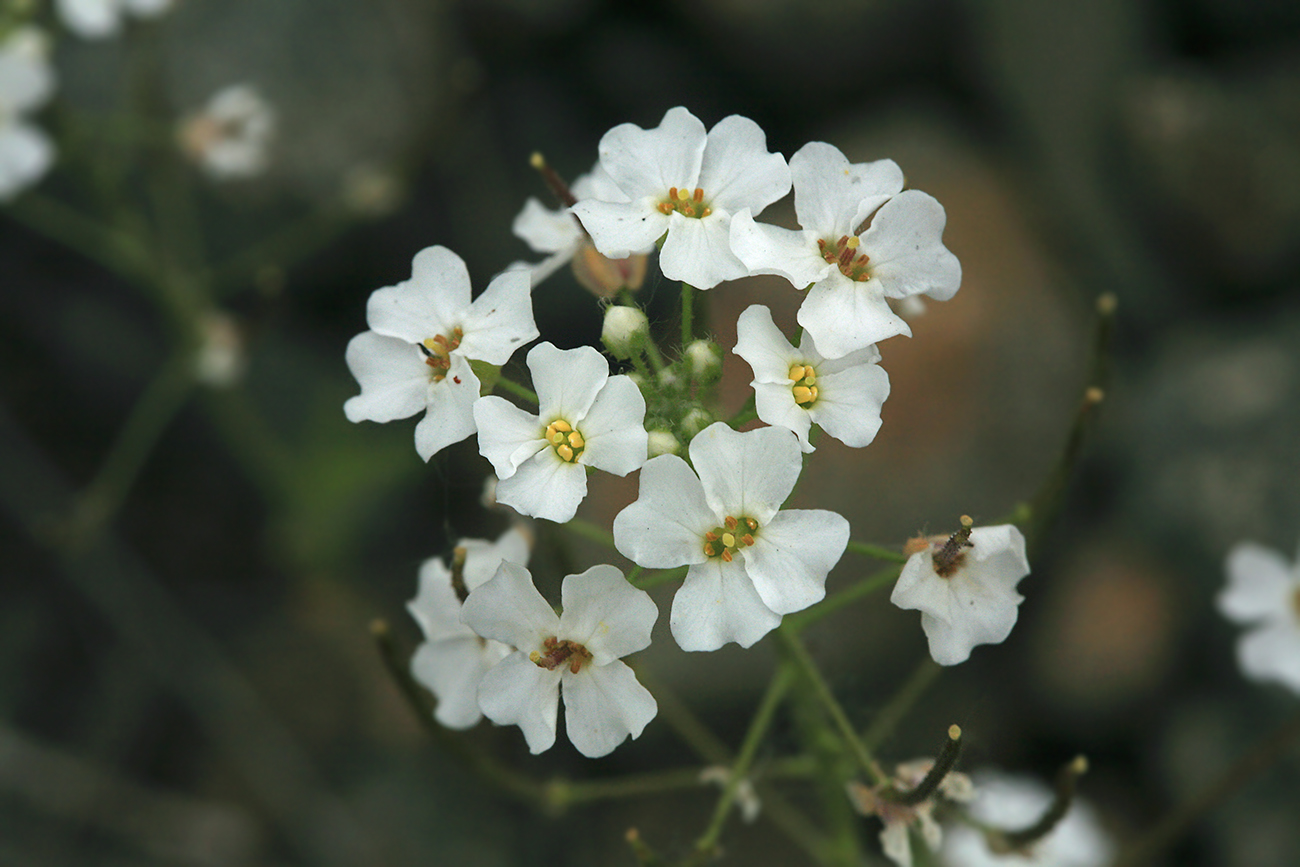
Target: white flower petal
716, 604
775, 404
518, 692
616, 440
844, 316
393, 377
832, 196
896, 844
545, 487
621, 229
435, 606
1272, 653
500, 320
905, 243
746, 474
566, 381
849, 403
606, 614
508, 435
792, 555
431, 302
452, 670
26, 76
25, 155
788, 253
762, 344
649, 162
509, 609
544, 230
1260, 585
450, 418
737, 171
698, 251
90, 19
603, 704
483, 558
665, 526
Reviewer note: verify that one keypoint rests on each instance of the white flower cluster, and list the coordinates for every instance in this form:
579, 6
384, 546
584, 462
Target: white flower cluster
26, 83
493, 644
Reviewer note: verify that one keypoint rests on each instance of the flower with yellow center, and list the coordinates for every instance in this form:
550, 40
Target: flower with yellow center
750, 561
586, 418
797, 388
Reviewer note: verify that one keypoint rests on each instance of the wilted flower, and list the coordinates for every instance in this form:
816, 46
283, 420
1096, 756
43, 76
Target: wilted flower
899, 817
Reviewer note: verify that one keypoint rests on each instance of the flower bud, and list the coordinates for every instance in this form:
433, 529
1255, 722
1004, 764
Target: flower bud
220, 359
624, 330
663, 442
704, 357
605, 277
696, 420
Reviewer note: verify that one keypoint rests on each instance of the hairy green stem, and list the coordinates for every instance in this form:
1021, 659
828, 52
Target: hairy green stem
688, 297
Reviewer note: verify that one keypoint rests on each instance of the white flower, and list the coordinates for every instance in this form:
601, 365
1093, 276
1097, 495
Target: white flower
750, 563
424, 332
797, 388
26, 83
680, 181
965, 588
586, 418
231, 137
453, 658
1015, 803
96, 19
898, 818
851, 271
1264, 591
220, 360
578, 652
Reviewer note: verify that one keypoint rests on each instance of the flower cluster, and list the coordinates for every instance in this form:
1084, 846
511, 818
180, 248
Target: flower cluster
26, 83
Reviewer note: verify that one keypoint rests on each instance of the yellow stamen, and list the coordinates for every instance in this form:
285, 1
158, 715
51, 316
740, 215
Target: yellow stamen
561, 424
576, 440
683, 195
803, 395
796, 372
731, 523
564, 452
729, 539
852, 243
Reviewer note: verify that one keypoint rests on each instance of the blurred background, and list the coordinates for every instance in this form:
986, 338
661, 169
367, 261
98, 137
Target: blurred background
187, 675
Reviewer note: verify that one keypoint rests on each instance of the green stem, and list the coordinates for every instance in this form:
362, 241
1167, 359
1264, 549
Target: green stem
688, 297
799, 654
892, 714
876, 581
758, 727
509, 385
662, 576
656, 357
746, 413
591, 532
630, 786
877, 551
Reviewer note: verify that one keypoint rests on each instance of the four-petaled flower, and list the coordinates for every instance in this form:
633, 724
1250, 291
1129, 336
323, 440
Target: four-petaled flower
26, 82
898, 818
750, 563
797, 388
453, 659
681, 181
965, 588
586, 418
424, 332
578, 652
1264, 590
862, 241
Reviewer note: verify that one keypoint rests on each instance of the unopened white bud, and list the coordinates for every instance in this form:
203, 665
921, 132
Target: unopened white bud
704, 358
669, 378
696, 420
220, 359
624, 330
663, 442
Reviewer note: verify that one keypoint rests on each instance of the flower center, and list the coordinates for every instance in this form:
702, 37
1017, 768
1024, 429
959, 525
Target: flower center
685, 204
804, 378
842, 254
437, 352
567, 442
558, 653
734, 534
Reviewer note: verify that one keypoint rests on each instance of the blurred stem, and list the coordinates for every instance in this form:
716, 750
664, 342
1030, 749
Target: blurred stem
878, 552
116, 251
630, 786
681, 720
268, 462
899, 706
652, 352
1177, 823
153, 412
589, 531
662, 576
746, 413
758, 726
876, 581
517, 390
688, 297
795, 649
281, 248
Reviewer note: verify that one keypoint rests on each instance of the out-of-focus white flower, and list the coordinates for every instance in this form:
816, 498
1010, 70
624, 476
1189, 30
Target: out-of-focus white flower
579, 652
851, 271
1264, 592
26, 83
97, 19
231, 137
586, 418
750, 562
424, 333
965, 588
662, 442
453, 658
746, 798
898, 818
220, 360
678, 180
623, 330
797, 388
1012, 803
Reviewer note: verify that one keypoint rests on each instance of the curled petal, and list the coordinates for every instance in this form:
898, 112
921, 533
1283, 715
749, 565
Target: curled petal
509, 436
788, 253
762, 344
845, 316
905, 243
832, 196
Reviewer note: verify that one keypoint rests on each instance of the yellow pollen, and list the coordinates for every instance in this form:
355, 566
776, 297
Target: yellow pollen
852, 243
803, 395
729, 539
561, 424
796, 372
576, 440
565, 453
683, 195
